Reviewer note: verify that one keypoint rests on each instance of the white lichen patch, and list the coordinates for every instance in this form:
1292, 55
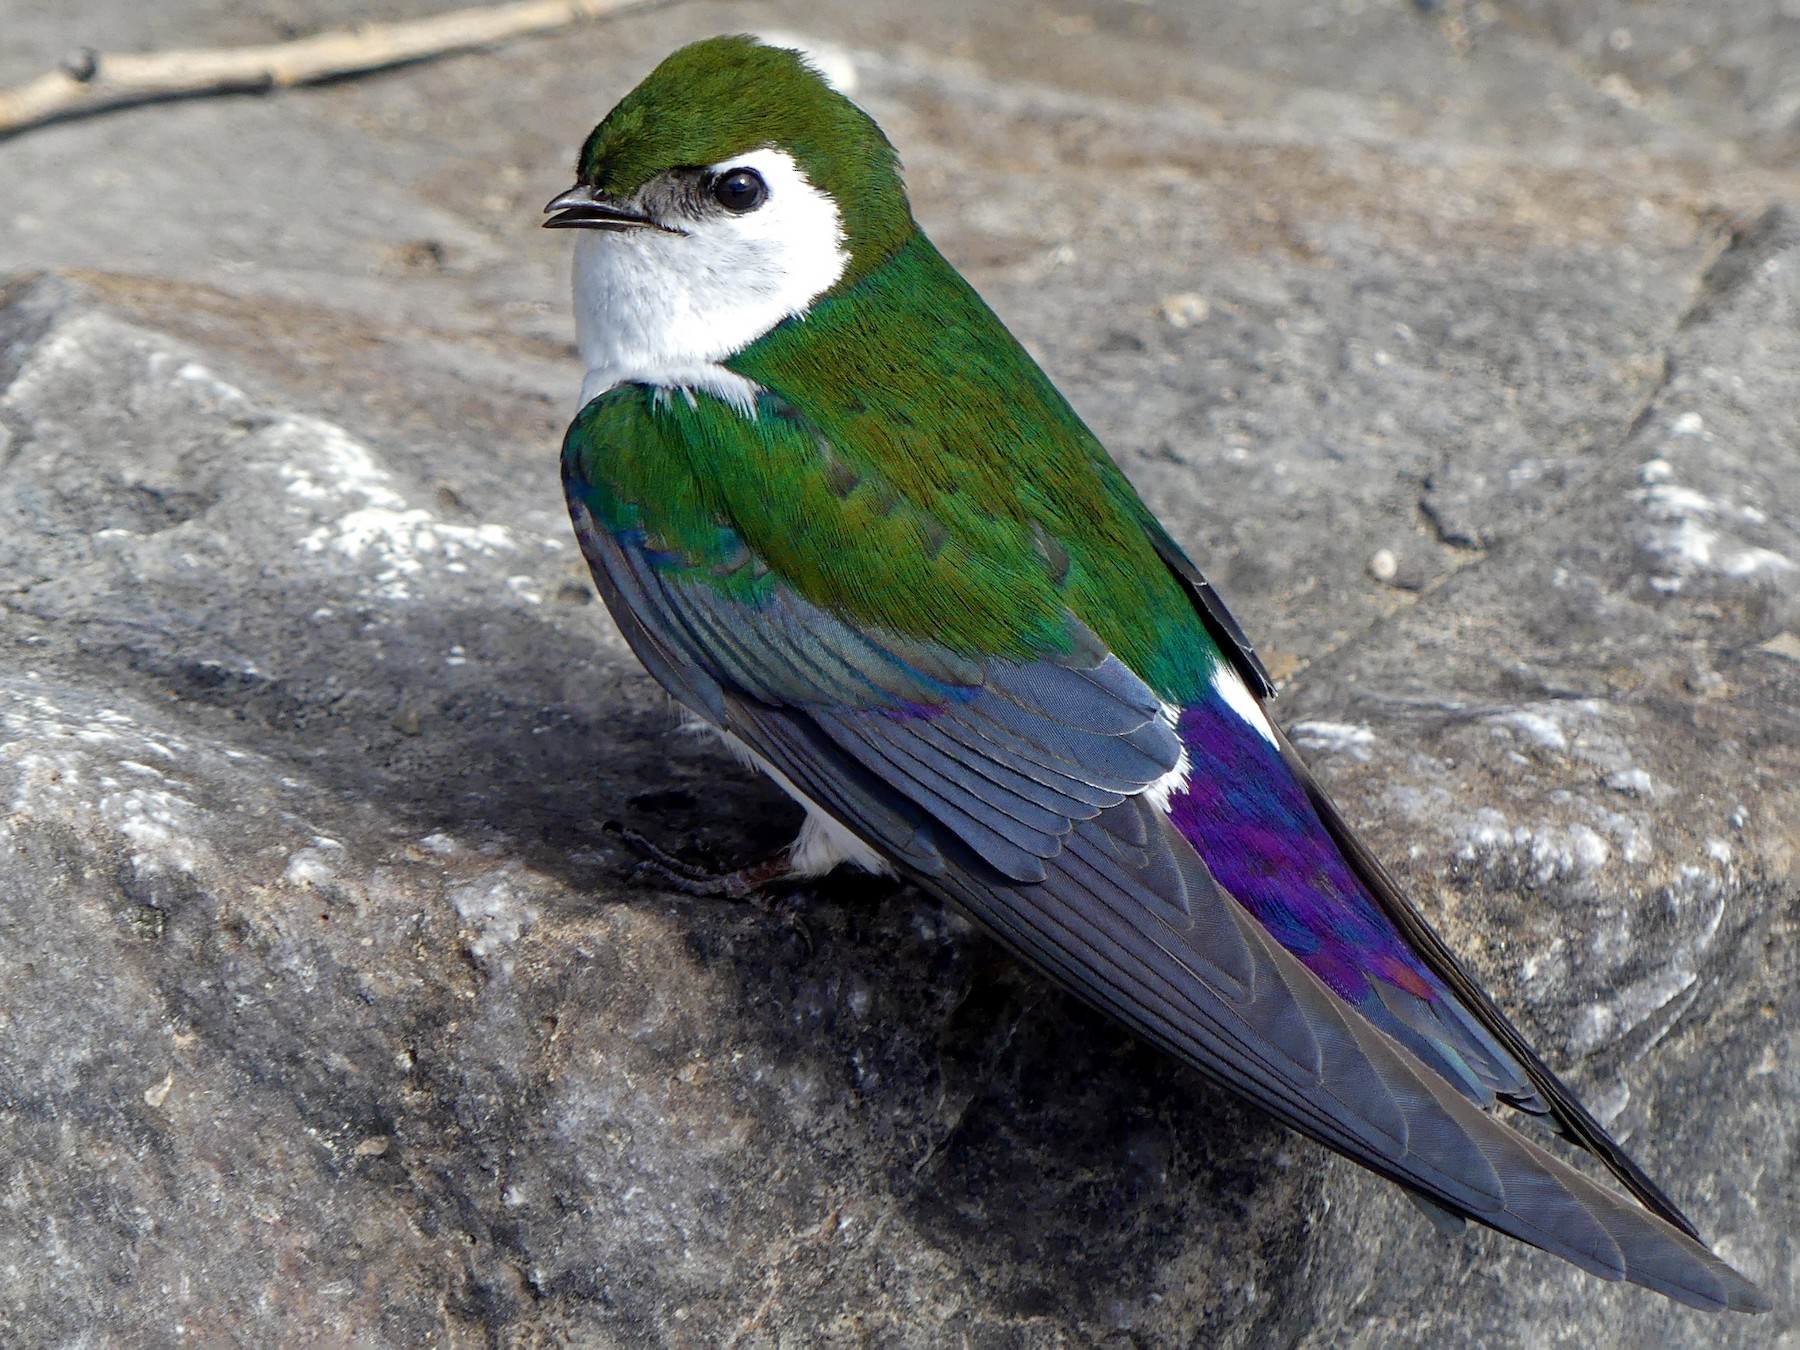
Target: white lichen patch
1575, 853
334, 480
1633, 956
221, 394
1609, 1102
159, 826
1545, 853
1542, 728
1587, 850
1543, 971
309, 867
1688, 532
1588, 731
1577, 727
1334, 738
497, 912
1601, 1024
1631, 836
338, 503
71, 350
1418, 804
90, 770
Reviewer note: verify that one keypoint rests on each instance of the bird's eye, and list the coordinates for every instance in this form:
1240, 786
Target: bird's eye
740, 190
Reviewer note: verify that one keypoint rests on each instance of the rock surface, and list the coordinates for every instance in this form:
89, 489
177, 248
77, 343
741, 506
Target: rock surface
1460, 343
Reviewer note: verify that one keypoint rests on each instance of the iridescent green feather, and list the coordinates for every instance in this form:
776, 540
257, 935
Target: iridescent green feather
909, 467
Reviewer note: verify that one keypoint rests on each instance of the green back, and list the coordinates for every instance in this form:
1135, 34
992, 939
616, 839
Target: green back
913, 470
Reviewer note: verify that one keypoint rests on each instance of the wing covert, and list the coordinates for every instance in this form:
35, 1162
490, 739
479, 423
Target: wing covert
1007, 753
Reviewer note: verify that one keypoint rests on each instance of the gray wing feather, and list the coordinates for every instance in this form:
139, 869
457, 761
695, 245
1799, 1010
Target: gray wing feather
1165, 950
1007, 759
1541, 1091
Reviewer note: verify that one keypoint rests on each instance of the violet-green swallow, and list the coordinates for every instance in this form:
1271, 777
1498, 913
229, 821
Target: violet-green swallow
840, 514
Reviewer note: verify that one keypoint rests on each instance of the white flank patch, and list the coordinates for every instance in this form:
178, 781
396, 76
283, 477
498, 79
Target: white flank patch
658, 308
1231, 688
1176, 779
823, 841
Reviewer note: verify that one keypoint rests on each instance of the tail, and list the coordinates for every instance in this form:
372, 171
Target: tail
1277, 843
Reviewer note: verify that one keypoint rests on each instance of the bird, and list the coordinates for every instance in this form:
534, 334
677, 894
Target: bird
845, 520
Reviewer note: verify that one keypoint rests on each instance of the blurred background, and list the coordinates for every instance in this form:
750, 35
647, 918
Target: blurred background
1458, 342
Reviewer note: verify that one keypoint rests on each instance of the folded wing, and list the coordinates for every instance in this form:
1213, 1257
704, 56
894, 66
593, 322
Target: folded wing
1016, 788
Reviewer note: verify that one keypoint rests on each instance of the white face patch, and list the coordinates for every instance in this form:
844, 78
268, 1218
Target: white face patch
663, 308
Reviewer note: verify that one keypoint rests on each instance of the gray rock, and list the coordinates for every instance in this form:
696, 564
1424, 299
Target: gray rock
330, 1011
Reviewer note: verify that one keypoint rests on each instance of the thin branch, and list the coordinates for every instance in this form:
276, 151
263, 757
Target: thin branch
90, 82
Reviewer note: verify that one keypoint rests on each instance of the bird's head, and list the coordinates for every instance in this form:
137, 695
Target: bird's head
724, 194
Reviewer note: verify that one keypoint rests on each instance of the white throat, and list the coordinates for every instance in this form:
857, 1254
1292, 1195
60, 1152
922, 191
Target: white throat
665, 309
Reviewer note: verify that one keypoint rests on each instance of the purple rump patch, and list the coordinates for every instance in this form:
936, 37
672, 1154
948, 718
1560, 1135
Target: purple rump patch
1248, 816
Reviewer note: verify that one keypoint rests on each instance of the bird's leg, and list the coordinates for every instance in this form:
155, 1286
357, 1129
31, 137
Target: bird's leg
753, 882
750, 882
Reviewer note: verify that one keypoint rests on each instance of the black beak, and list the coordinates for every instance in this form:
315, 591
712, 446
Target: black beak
580, 208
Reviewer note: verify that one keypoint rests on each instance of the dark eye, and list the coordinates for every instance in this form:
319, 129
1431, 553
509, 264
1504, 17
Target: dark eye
740, 190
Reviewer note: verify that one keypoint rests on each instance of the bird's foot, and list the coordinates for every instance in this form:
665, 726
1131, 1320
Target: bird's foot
754, 882
751, 882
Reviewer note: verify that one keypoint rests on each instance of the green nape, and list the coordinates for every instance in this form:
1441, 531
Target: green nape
910, 468
728, 95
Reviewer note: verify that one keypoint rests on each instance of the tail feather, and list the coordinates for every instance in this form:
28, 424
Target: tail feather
1129, 918
1549, 1093
1279, 846
1368, 1097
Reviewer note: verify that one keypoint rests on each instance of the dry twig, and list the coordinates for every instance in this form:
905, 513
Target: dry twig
91, 82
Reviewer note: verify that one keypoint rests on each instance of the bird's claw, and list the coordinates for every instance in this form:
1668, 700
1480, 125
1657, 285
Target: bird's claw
657, 866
